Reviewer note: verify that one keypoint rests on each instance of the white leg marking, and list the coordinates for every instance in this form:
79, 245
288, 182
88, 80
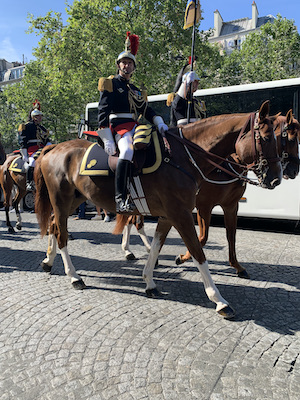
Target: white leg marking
150, 264
144, 238
51, 252
69, 267
210, 288
125, 239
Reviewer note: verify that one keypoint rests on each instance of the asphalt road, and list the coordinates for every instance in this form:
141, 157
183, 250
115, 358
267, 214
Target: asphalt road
110, 341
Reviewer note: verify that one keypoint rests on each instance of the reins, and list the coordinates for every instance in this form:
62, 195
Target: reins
256, 145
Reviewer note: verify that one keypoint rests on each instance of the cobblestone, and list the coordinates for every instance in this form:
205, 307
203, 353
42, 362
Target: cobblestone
112, 342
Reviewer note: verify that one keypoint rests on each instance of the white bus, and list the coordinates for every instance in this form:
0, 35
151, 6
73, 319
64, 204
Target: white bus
283, 202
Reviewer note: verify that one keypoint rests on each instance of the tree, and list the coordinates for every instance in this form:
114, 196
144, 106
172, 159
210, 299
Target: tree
268, 54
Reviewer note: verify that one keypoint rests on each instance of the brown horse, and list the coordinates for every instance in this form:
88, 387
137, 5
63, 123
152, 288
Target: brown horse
8, 180
287, 130
2, 154
168, 191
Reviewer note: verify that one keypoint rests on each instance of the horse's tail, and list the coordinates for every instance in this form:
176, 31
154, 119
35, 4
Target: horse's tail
121, 221
43, 207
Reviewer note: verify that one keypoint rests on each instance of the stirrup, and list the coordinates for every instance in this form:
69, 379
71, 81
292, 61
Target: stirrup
30, 187
126, 207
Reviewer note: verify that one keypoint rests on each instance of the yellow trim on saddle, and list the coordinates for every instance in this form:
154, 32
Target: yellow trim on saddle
105, 84
14, 166
84, 168
157, 163
142, 136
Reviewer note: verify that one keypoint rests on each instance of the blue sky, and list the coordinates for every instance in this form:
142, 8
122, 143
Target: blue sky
16, 44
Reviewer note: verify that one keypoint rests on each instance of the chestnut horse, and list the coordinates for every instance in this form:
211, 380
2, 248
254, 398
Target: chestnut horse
169, 194
287, 130
9, 179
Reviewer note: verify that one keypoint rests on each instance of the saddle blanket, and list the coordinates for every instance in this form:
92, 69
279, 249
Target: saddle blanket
96, 162
17, 165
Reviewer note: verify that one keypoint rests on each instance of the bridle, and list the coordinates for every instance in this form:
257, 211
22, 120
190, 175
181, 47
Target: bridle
285, 157
260, 164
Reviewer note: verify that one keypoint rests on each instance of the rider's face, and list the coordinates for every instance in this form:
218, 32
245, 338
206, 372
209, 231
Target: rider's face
37, 119
126, 67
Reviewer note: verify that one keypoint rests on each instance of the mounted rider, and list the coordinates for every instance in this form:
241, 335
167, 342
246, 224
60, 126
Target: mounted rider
186, 85
32, 137
120, 105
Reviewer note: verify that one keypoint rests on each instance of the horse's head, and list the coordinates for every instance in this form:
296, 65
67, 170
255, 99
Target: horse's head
258, 148
287, 130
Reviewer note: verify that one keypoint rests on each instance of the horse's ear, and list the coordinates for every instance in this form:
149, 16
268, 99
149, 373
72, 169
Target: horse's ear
264, 109
289, 117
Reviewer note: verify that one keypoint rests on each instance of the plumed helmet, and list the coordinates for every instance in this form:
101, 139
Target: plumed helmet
36, 109
131, 48
36, 112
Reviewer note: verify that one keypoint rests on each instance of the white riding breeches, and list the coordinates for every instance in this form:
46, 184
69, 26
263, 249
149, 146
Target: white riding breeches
125, 145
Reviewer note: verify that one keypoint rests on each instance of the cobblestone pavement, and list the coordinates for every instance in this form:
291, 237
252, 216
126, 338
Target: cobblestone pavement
111, 342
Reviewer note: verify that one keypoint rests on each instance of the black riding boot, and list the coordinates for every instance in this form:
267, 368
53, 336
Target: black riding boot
123, 203
29, 179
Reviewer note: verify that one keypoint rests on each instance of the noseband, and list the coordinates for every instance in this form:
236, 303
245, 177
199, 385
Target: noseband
285, 157
261, 163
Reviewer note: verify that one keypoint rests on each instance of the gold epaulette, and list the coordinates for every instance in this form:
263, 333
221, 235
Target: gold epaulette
144, 94
105, 84
202, 105
170, 99
21, 127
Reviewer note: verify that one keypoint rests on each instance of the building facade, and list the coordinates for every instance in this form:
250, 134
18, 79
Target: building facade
10, 72
230, 35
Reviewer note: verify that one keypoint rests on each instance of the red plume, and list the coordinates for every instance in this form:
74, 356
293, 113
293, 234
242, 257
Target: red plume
37, 104
134, 43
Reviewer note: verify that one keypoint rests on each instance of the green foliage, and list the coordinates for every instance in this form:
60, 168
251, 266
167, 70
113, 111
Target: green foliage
268, 54
71, 58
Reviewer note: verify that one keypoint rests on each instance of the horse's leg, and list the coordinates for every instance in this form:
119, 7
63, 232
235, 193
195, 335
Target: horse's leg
162, 229
47, 263
7, 189
230, 220
187, 231
15, 203
144, 237
62, 203
125, 242
203, 219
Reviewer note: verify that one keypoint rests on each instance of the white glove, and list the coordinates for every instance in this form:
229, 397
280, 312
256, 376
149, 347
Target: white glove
109, 147
25, 155
107, 138
159, 123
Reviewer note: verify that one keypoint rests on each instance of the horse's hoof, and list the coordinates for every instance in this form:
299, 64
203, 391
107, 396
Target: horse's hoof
153, 293
130, 257
79, 285
227, 312
46, 267
243, 274
178, 260
19, 227
11, 229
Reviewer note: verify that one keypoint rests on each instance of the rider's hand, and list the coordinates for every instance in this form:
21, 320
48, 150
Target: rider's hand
159, 123
191, 77
109, 147
162, 127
